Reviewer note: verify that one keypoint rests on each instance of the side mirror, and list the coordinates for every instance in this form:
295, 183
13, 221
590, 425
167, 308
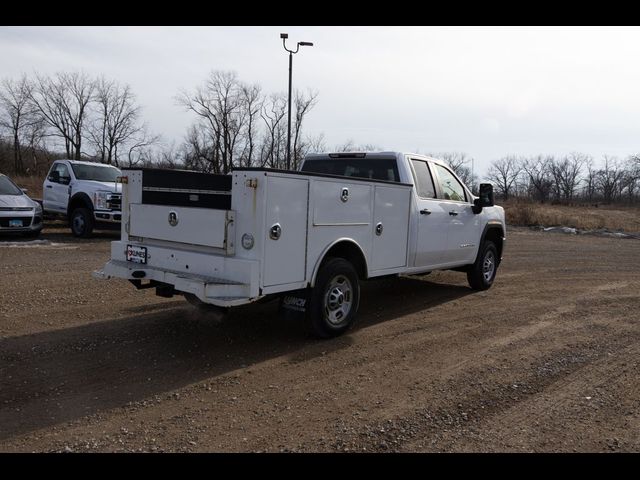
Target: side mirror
486, 195
485, 198
54, 176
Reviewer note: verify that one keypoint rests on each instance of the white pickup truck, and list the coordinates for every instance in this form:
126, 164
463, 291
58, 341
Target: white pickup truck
86, 193
308, 236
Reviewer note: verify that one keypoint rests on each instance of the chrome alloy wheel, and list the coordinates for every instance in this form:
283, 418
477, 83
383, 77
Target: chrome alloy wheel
338, 299
488, 266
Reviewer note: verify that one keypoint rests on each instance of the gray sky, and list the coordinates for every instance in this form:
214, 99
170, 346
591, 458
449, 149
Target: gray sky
485, 91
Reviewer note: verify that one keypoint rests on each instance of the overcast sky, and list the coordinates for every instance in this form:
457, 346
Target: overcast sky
485, 91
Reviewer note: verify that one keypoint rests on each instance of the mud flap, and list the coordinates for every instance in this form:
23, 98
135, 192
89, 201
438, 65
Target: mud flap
294, 304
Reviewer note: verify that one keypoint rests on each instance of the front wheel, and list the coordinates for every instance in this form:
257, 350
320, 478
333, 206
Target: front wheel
483, 271
81, 222
334, 299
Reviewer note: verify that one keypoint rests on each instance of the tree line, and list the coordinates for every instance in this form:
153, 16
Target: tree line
568, 178
69, 115
73, 115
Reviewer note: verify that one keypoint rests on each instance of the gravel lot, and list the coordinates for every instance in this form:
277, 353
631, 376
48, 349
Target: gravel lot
546, 360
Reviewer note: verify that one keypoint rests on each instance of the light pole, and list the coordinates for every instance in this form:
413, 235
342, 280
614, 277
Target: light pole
284, 37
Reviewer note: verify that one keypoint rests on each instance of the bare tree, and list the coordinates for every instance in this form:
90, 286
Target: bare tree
63, 102
252, 104
16, 115
504, 173
590, 179
565, 172
303, 104
118, 124
538, 175
140, 146
221, 105
609, 179
312, 144
273, 112
199, 153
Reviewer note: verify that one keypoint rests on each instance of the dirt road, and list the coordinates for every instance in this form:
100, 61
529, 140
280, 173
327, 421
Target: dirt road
546, 360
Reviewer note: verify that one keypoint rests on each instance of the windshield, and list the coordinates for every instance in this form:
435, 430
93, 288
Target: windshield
95, 172
7, 187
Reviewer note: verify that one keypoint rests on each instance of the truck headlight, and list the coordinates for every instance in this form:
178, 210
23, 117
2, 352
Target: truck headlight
100, 200
247, 241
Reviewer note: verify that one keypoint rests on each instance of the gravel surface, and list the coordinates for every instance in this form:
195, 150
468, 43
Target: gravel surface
546, 360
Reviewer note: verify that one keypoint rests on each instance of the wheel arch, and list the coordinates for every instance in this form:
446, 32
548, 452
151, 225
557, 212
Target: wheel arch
80, 199
345, 248
495, 233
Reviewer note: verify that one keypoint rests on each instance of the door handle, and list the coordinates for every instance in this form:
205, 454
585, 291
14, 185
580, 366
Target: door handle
425, 211
49, 186
453, 213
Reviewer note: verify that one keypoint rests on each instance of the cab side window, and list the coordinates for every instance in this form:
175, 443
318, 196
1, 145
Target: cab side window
424, 182
450, 187
62, 173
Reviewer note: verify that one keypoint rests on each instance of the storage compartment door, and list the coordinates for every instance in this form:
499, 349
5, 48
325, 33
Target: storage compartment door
391, 211
285, 252
198, 226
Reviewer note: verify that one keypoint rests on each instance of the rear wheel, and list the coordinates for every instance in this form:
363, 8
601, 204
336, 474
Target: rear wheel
334, 299
81, 222
483, 271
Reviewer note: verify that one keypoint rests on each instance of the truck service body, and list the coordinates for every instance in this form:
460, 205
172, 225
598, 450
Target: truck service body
228, 240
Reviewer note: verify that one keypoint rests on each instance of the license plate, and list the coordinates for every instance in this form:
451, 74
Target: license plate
136, 254
15, 223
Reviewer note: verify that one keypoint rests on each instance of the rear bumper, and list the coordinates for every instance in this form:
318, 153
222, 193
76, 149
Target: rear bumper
214, 279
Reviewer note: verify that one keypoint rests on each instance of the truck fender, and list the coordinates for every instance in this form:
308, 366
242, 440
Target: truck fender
345, 248
494, 231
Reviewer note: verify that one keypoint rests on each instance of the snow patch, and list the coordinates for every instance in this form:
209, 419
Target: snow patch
37, 244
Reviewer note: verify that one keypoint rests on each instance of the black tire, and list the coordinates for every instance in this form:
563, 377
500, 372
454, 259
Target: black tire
483, 271
215, 312
81, 222
334, 299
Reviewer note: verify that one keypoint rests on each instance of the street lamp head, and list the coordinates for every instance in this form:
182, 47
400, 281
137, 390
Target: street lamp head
305, 44
284, 35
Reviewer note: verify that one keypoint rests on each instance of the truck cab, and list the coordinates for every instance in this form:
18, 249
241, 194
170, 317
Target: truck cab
88, 194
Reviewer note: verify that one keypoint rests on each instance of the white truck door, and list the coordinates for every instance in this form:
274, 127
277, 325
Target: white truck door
55, 195
464, 226
433, 220
286, 230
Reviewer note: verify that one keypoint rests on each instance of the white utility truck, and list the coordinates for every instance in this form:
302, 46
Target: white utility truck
308, 236
86, 193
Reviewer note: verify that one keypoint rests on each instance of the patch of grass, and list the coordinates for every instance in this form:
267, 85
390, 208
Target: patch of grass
32, 184
582, 216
